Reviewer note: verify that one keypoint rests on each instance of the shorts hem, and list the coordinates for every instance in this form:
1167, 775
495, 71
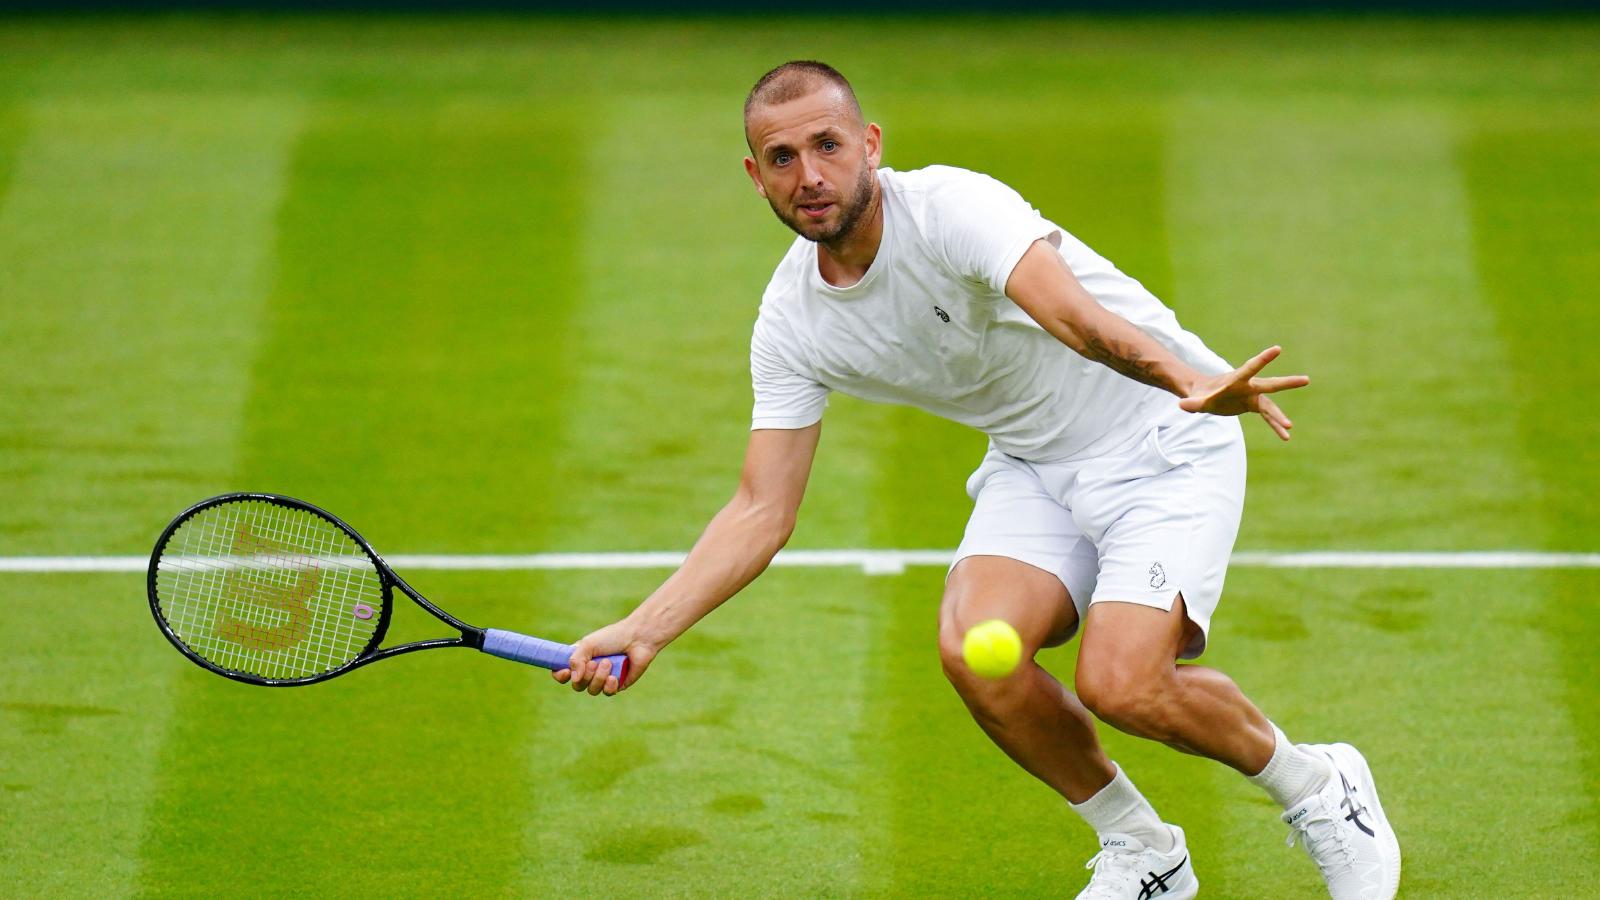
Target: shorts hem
1038, 562
1164, 602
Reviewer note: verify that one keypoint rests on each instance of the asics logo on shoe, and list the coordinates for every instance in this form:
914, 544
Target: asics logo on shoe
1299, 815
1148, 888
1113, 843
1355, 807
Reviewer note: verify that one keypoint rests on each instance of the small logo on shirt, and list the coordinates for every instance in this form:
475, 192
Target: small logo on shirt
1158, 575
943, 316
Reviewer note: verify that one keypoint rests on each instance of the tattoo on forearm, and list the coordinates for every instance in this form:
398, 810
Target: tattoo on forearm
1123, 358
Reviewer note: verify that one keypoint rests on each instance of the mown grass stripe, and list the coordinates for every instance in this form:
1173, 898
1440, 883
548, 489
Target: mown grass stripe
425, 261
674, 275
134, 242
1535, 204
1339, 245
133, 256
13, 131
1535, 196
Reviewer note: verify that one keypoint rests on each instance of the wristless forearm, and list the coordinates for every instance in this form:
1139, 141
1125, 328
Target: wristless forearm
1124, 348
736, 547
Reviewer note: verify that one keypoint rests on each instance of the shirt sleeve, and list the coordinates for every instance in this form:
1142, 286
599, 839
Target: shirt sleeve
784, 397
983, 228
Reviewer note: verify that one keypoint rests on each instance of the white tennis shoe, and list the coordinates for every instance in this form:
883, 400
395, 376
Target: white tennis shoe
1125, 869
1344, 830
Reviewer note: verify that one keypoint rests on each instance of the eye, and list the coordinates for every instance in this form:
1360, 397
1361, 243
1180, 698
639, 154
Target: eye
830, 146
782, 159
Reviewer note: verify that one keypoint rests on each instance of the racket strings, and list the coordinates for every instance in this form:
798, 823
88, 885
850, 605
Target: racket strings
271, 591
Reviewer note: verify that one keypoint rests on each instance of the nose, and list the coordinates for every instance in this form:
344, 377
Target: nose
809, 172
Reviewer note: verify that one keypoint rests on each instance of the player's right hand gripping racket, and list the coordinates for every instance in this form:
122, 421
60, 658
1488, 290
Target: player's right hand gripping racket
271, 590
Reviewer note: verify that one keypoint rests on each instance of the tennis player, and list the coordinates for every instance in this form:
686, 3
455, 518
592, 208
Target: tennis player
1108, 500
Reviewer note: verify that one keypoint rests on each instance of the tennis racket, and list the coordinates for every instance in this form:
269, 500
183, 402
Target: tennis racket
271, 590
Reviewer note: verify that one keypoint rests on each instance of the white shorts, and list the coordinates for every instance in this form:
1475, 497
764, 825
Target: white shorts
1142, 524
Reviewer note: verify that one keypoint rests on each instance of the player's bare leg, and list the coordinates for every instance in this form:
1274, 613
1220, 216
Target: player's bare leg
1032, 717
1128, 675
1041, 725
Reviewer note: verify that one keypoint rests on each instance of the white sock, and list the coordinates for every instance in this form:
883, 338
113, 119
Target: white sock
1119, 808
1292, 774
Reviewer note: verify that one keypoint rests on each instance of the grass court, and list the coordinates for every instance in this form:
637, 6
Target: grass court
485, 285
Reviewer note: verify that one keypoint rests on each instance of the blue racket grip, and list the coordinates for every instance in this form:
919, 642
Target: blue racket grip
539, 652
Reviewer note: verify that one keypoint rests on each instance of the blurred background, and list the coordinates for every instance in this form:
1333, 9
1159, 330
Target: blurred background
484, 283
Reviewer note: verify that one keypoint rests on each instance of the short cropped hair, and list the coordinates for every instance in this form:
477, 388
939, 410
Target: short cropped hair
795, 79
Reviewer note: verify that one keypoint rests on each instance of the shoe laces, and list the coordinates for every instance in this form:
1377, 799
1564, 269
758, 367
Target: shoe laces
1325, 841
1114, 873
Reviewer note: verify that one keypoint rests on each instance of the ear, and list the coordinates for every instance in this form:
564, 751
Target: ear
874, 144
754, 172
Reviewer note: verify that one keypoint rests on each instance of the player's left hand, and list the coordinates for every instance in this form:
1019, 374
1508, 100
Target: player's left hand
1240, 391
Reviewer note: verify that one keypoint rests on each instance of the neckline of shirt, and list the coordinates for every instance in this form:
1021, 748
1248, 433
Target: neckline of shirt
878, 262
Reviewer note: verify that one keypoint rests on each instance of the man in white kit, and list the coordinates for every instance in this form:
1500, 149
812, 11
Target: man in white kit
1110, 495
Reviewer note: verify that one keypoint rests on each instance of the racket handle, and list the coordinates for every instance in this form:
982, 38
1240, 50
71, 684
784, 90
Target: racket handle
539, 652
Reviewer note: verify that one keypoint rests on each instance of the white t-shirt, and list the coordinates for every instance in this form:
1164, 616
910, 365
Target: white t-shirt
929, 325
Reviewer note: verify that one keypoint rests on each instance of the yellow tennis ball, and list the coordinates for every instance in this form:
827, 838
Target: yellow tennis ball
992, 648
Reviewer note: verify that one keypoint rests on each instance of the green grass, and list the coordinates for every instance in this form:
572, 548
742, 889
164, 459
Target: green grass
486, 284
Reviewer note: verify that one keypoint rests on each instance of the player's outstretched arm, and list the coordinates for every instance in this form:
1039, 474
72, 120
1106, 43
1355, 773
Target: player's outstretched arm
1046, 289
736, 547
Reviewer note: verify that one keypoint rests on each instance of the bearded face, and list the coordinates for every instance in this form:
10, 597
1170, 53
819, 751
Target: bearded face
848, 205
816, 162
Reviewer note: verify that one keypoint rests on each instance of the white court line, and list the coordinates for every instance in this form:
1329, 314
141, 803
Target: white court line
872, 562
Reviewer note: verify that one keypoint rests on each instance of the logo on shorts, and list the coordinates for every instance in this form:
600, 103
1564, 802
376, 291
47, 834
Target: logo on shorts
943, 316
1158, 575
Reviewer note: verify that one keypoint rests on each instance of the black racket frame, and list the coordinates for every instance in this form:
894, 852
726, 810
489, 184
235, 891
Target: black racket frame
471, 637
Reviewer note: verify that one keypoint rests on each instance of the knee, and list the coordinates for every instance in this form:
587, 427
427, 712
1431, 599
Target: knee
955, 665
1130, 699
989, 695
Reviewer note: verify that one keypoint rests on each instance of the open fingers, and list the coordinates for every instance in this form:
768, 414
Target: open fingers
1279, 422
1259, 361
1278, 428
1279, 383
